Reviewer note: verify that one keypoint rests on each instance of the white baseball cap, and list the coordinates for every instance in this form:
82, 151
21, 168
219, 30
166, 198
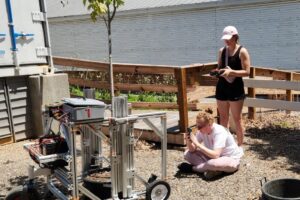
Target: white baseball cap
228, 32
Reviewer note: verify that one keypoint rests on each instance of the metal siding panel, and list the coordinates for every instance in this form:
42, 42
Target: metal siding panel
5, 128
181, 38
2, 96
288, 36
20, 106
19, 119
62, 38
21, 136
3, 105
19, 111
75, 8
19, 103
142, 39
3, 112
269, 32
23, 23
5, 131
5, 44
91, 40
20, 128
4, 123
18, 95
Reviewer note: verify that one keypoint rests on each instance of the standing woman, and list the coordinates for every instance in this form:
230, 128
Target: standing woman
233, 64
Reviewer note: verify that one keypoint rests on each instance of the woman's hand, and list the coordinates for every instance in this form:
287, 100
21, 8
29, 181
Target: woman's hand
194, 140
187, 137
190, 145
225, 72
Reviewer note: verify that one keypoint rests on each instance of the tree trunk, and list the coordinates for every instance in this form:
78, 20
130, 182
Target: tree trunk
111, 71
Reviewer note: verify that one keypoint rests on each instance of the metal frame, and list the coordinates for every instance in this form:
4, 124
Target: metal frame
121, 158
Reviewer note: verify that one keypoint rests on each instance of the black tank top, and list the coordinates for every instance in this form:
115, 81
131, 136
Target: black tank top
234, 61
235, 90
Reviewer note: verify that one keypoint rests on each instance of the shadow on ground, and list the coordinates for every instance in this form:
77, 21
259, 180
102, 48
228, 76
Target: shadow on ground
193, 175
23, 180
277, 142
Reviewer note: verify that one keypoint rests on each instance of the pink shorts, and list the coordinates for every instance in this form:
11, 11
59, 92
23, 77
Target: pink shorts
202, 163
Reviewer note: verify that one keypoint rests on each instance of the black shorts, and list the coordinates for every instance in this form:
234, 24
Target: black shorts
230, 91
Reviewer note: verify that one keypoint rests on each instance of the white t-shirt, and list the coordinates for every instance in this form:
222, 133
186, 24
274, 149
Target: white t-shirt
220, 137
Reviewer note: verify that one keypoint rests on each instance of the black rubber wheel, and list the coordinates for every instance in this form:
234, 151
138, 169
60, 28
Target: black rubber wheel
22, 193
158, 190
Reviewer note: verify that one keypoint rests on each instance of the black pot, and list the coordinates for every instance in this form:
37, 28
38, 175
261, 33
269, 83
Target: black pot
101, 189
281, 189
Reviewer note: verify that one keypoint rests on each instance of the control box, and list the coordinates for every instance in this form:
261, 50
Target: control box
80, 109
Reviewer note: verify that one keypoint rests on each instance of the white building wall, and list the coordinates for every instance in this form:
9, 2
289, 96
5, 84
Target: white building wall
268, 31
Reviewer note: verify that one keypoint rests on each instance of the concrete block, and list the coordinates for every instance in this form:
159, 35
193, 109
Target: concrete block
54, 88
46, 89
34, 88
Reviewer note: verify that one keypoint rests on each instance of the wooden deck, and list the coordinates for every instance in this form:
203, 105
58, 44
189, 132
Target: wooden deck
143, 131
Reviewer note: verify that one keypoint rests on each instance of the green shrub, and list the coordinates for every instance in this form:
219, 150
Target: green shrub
132, 97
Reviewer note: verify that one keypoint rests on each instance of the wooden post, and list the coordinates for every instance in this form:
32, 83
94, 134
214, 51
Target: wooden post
289, 93
180, 75
193, 75
251, 93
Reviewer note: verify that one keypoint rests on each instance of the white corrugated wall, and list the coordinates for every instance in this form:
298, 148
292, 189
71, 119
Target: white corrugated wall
268, 31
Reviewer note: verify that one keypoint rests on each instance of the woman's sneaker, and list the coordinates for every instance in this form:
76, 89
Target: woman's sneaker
212, 174
185, 167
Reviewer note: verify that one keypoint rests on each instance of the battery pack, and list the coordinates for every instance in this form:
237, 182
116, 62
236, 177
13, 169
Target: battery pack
48, 146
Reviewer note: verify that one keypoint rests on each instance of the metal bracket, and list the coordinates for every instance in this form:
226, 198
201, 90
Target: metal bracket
131, 173
38, 16
42, 51
131, 140
116, 159
23, 35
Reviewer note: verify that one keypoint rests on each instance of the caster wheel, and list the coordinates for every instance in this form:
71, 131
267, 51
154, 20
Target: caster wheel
22, 193
158, 190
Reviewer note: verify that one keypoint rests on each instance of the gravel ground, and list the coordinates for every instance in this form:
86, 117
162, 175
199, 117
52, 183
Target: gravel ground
271, 150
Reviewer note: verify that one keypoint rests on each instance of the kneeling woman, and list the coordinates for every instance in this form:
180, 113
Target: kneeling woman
212, 149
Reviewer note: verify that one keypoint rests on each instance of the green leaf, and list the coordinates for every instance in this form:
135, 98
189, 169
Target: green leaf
100, 7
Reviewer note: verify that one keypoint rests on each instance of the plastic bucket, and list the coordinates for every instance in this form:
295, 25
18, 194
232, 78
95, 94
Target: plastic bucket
281, 189
101, 187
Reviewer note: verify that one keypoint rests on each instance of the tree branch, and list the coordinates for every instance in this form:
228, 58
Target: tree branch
105, 21
114, 10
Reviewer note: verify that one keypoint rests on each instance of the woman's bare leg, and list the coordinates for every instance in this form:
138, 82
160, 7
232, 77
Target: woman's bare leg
223, 108
236, 111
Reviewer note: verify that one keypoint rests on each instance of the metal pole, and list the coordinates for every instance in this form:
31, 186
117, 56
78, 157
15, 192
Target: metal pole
85, 149
72, 134
164, 147
131, 153
113, 161
12, 34
47, 36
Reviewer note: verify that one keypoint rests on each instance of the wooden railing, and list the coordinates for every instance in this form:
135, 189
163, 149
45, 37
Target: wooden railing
187, 81
283, 80
189, 78
267, 78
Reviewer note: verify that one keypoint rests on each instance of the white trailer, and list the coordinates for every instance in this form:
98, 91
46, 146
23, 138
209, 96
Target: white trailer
24, 51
